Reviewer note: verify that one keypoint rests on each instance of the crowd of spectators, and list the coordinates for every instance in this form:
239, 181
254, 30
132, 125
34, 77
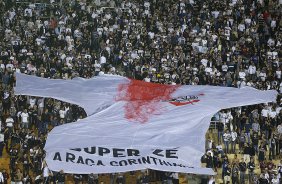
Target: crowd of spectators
232, 43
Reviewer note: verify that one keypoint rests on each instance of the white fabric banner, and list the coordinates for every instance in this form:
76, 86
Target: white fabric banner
134, 125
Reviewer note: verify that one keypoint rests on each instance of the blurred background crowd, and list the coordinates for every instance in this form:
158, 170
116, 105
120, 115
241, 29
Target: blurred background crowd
232, 43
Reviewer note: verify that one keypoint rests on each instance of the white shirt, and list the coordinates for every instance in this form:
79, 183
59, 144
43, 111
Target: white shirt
248, 21
62, 114
273, 23
211, 181
242, 75
223, 117
278, 74
262, 75
241, 27
41, 102
1, 178
147, 79
215, 14
264, 112
275, 181
272, 114
252, 69
226, 136
103, 60
32, 102
174, 175
97, 67
1, 140
45, 172
204, 62
208, 70
224, 68
9, 122
279, 129
24, 117
233, 136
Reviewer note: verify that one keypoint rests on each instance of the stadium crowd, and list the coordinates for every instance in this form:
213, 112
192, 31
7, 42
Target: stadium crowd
232, 43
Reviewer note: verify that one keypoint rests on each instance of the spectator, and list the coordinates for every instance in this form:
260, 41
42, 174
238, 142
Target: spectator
235, 173
233, 141
226, 139
60, 177
93, 178
1, 178
46, 173
235, 44
251, 168
18, 177
242, 168
24, 119
120, 179
2, 144
227, 173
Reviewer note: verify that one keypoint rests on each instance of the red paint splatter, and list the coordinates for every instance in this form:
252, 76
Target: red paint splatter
143, 98
184, 103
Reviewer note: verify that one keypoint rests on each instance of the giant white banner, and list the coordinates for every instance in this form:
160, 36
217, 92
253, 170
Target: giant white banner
134, 125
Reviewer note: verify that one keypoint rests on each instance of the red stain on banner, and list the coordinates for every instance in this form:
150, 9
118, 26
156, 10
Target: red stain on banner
143, 98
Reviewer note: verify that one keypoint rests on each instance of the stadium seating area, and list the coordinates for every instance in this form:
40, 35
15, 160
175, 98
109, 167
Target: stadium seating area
233, 43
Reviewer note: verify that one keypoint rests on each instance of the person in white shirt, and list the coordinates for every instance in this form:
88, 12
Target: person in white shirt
25, 119
241, 83
1, 178
224, 68
272, 114
242, 74
226, 140
262, 75
241, 27
103, 60
1, 147
278, 73
97, 66
32, 101
252, 71
233, 140
211, 180
46, 172
40, 104
9, 122
62, 114
265, 112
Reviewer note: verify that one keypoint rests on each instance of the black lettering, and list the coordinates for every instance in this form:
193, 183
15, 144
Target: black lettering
103, 151
100, 163
113, 163
89, 160
133, 152
169, 163
57, 156
157, 152
162, 162
80, 160
91, 150
171, 154
123, 161
146, 161
70, 157
117, 152
131, 161
76, 149
139, 161
154, 159
178, 165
